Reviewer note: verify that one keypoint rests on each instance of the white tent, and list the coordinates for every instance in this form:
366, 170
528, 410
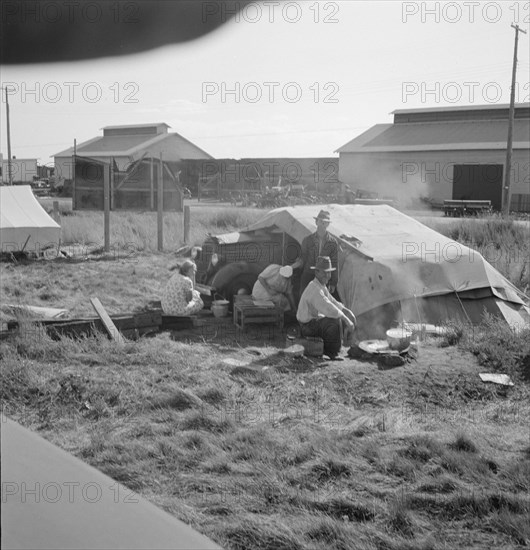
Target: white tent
24, 224
393, 265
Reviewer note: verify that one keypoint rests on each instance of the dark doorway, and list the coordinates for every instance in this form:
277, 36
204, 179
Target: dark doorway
478, 182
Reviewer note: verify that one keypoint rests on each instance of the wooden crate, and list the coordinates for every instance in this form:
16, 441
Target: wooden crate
246, 312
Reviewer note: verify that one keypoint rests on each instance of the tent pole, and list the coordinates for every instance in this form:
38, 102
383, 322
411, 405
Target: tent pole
419, 317
463, 308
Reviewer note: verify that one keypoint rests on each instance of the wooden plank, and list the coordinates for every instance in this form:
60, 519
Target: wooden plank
131, 173
107, 321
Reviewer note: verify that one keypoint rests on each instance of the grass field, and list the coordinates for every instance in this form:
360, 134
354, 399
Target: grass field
301, 454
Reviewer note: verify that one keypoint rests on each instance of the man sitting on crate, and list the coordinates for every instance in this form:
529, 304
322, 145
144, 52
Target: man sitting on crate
319, 314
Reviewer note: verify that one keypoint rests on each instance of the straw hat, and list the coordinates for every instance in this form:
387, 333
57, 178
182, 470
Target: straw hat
324, 215
323, 264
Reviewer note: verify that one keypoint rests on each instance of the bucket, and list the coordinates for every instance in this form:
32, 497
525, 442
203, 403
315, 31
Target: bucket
220, 308
398, 338
313, 346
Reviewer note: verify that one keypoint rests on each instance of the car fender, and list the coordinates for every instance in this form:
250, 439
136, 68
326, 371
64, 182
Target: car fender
229, 272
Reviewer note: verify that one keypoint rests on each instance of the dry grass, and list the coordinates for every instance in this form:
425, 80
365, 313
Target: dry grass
423, 457
500, 348
167, 420
137, 231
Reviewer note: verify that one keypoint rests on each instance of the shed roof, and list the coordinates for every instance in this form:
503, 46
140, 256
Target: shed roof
459, 108
130, 145
126, 126
447, 135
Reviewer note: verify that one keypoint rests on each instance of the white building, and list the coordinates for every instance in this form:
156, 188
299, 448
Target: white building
22, 170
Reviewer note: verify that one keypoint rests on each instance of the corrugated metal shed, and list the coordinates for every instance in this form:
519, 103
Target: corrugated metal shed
425, 136
446, 128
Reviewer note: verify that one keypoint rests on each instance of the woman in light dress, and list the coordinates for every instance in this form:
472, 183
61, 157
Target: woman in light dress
179, 297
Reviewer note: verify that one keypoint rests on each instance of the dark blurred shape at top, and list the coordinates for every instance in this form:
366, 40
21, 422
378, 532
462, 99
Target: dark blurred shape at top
42, 31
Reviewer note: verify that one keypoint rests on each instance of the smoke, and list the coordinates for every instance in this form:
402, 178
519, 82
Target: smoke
407, 182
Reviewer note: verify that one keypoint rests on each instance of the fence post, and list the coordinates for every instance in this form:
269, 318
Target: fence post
56, 215
186, 224
160, 206
106, 205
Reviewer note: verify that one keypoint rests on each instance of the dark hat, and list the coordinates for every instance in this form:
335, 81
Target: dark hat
324, 264
324, 215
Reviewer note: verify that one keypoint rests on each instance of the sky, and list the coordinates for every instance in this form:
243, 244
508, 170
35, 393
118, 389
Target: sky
282, 80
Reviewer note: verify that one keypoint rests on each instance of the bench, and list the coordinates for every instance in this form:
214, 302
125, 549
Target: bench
247, 312
462, 207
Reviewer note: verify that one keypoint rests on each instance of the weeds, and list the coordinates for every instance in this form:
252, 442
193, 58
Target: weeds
500, 348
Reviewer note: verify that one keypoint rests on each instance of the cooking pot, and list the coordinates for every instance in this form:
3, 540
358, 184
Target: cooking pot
398, 338
220, 308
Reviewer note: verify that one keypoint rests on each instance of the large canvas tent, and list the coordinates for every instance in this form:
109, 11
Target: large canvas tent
392, 266
50, 499
24, 224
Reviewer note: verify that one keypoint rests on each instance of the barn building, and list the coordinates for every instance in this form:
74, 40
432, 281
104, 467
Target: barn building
442, 153
133, 157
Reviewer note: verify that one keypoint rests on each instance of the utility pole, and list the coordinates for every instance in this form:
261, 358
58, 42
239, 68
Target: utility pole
73, 175
9, 170
508, 167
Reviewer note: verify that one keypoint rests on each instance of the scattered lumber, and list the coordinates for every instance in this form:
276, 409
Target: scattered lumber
128, 325
35, 311
114, 333
131, 326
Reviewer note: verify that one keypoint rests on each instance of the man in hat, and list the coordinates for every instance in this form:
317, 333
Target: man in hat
320, 243
319, 314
